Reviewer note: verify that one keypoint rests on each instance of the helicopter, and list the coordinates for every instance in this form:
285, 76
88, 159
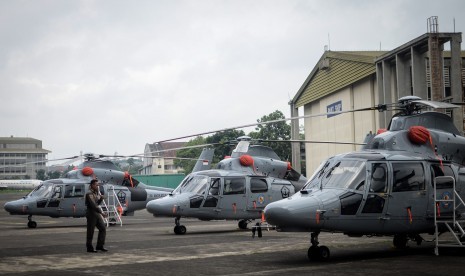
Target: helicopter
237, 189
65, 197
403, 183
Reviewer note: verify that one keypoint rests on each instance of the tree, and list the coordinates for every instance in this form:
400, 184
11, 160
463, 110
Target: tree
275, 131
53, 175
224, 138
193, 153
40, 174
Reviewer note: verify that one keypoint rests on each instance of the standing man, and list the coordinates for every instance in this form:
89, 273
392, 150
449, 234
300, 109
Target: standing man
94, 217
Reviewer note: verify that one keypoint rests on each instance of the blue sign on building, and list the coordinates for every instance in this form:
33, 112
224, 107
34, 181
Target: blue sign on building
334, 107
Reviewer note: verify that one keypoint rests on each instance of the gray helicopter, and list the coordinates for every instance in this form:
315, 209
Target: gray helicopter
405, 181
65, 197
237, 189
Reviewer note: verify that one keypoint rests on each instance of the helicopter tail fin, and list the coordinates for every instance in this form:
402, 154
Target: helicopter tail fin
205, 160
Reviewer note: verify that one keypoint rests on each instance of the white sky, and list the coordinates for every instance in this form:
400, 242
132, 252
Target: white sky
111, 76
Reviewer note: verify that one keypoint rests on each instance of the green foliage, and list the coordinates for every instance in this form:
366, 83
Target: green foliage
193, 153
225, 147
40, 174
275, 131
53, 175
272, 131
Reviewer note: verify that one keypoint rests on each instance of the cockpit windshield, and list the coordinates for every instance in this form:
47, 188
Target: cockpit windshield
345, 174
192, 184
338, 173
43, 190
314, 181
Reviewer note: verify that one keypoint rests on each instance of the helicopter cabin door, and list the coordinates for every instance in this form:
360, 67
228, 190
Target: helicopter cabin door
73, 202
408, 200
211, 196
444, 191
233, 200
54, 201
374, 205
258, 197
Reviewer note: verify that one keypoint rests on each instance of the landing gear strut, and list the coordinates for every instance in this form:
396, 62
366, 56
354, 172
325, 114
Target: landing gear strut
179, 229
31, 223
315, 252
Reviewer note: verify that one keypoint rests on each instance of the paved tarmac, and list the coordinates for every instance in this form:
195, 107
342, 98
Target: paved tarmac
145, 245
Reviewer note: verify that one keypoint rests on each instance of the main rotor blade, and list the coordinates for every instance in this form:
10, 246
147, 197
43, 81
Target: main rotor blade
40, 161
313, 142
379, 107
165, 150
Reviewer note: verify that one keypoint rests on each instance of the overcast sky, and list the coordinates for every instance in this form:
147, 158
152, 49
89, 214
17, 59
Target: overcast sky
111, 76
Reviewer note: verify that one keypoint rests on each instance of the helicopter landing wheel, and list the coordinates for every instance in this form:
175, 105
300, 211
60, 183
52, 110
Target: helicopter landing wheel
324, 253
32, 224
400, 241
242, 224
318, 253
180, 230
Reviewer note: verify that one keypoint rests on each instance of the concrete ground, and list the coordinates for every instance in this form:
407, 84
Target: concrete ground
145, 245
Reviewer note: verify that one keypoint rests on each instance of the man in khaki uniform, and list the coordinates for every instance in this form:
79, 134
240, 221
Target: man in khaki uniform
94, 217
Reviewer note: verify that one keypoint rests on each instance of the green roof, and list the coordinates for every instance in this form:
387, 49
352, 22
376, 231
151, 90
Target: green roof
334, 71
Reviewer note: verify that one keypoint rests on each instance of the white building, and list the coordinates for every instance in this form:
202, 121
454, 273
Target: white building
351, 80
21, 157
159, 158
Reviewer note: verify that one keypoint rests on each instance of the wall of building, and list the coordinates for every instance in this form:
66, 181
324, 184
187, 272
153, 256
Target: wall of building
339, 128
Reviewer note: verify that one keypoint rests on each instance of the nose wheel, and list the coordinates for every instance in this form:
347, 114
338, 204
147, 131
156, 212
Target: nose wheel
31, 223
315, 252
178, 228
243, 224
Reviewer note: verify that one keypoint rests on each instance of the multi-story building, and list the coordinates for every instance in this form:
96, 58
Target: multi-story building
350, 80
159, 158
21, 157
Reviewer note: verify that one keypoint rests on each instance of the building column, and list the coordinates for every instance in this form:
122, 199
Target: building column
420, 88
295, 147
456, 79
379, 82
403, 76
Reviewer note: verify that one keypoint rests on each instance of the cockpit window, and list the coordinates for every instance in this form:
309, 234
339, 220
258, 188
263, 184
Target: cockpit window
408, 177
316, 177
74, 190
234, 186
438, 170
193, 184
346, 174
43, 190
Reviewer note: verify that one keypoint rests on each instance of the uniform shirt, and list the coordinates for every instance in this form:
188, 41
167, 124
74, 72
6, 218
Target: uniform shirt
92, 202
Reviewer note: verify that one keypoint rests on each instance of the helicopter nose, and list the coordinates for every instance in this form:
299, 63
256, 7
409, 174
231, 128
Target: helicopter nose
166, 206
277, 213
293, 213
15, 207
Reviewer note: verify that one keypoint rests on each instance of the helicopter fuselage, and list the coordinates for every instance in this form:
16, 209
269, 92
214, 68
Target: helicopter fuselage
66, 198
221, 194
369, 193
